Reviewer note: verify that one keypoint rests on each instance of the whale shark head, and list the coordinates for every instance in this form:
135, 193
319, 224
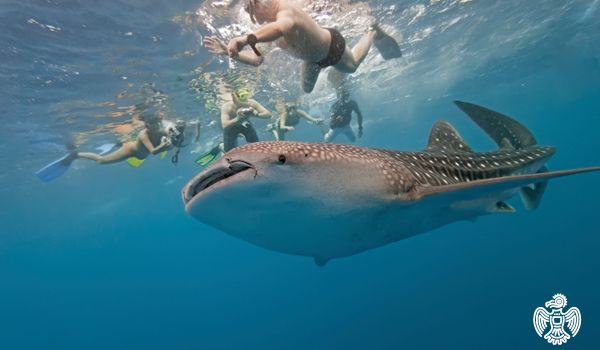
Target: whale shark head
283, 195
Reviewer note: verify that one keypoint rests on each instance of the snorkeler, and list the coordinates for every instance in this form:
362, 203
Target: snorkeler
296, 32
291, 118
152, 140
340, 115
235, 121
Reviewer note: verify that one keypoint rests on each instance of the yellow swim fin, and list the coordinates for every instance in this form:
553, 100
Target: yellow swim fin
163, 154
135, 162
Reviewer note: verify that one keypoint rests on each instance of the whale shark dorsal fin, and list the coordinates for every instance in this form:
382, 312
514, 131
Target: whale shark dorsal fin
321, 261
506, 145
444, 137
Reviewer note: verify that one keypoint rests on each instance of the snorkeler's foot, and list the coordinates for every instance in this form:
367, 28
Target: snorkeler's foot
379, 33
209, 156
385, 44
70, 158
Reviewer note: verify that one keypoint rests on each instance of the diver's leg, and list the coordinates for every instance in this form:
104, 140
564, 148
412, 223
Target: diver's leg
115, 157
331, 135
309, 72
91, 156
349, 132
229, 139
250, 134
279, 134
351, 59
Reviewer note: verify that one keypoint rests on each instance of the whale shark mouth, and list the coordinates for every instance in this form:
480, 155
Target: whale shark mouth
214, 177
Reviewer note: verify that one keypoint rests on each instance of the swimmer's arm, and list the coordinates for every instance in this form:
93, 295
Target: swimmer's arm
216, 45
333, 112
305, 115
262, 111
358, 115
283, 122
249, 57
226, 121
275, 30
143, 135
265, 34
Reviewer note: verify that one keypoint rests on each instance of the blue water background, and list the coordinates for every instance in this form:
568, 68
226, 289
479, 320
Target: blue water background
106, 257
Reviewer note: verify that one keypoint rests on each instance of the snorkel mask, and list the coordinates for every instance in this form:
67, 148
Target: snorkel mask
242, 94
291, 107
342, 94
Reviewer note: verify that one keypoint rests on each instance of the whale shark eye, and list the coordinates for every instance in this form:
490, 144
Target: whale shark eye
282, 159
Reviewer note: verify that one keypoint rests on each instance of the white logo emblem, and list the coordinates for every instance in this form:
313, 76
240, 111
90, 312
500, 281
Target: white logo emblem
557, 335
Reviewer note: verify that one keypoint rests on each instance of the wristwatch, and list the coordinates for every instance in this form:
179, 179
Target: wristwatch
252, 40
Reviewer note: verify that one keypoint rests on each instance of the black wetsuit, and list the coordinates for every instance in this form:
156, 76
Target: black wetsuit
230, 135
344, 110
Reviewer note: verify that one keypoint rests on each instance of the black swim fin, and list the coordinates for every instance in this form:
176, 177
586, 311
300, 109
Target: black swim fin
387, 46
209, 156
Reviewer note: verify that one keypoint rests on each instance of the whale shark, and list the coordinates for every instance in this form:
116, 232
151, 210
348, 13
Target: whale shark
326, 201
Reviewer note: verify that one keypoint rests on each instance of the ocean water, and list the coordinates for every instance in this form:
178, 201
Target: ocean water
106, 257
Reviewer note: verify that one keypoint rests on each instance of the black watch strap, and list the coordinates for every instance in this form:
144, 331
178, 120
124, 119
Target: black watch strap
252, 40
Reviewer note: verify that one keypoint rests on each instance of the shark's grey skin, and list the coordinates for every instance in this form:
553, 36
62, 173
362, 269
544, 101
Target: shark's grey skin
329, 201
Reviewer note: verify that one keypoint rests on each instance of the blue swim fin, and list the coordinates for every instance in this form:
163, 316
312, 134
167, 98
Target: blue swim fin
56, 168
385, 44
105, 148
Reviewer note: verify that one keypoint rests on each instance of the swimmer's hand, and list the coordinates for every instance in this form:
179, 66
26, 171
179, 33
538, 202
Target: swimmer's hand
319, 121
247, 112
164, 142
241, 118
236, 45
290, 128
215, 45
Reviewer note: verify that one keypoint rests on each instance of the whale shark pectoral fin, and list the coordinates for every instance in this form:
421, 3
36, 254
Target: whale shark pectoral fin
321, 261
464, 191
531, 196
